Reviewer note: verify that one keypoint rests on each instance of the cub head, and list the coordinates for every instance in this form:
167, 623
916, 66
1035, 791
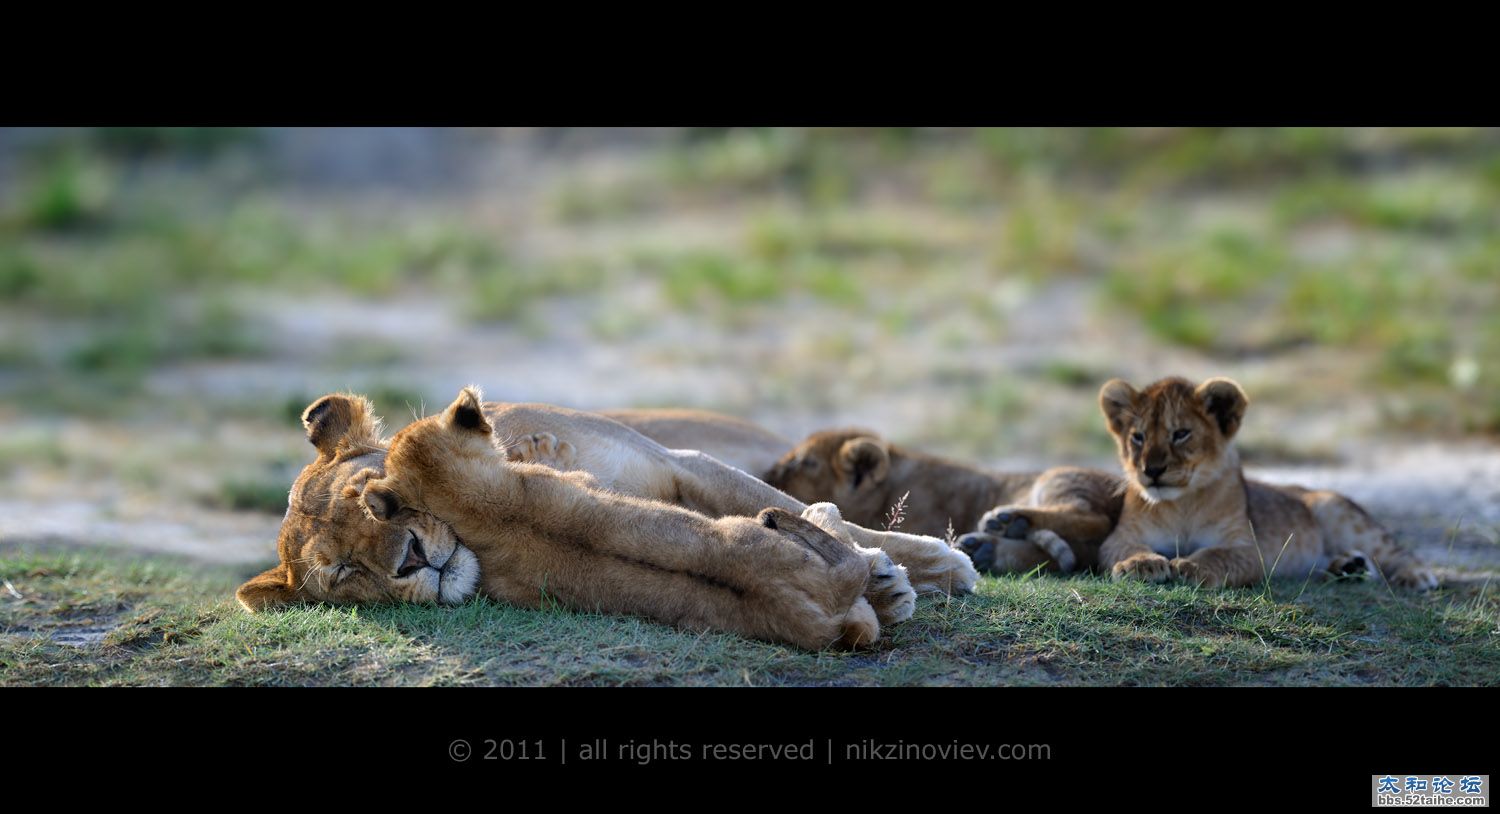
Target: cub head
1173, 436
332, 551
428, 454
835, 466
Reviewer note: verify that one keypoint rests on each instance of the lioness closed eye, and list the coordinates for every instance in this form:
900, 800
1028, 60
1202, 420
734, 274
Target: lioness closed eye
1191, 513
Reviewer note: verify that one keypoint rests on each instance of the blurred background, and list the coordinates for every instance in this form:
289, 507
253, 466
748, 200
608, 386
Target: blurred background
171, 298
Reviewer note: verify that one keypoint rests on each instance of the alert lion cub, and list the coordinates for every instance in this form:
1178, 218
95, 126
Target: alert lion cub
541, 534
1191, 513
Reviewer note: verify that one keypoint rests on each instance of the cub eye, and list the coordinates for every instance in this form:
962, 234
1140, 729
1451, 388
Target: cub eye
343, 572
1180, 436
1137, 438
810, 464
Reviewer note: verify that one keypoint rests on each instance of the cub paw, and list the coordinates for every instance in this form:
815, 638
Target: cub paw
542, 448
1197, 573
889, 590
1354, 564
1148, 567
981, 550
1006, 521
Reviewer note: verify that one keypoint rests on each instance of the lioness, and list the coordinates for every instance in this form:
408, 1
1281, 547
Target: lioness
1191, 502
542, 533
331, 550
1056, 519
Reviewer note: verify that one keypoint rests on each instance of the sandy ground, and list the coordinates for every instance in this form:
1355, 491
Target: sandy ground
1441, 497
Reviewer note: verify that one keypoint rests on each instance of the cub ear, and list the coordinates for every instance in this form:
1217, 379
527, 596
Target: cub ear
335, 417
467, 411
865, 457
381, 501
1116, 399
268, 590
1225, 401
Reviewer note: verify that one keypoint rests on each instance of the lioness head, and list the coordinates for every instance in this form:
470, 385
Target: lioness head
432, 447
1173, 435
835, 466
332, 551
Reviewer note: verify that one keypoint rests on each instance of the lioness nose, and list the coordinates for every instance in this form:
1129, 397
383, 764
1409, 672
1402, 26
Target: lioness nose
416, 559
1154, 472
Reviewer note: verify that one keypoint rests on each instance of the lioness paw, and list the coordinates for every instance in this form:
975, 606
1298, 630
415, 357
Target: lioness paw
1006, 521
1416, 577
826, 517
889, 590
1197, 573
542, 448
942, 569
1149, 567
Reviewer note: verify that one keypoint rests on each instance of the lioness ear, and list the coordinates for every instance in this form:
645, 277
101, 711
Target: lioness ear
467, 411
1116, 399
268, 590
865, 457
335, 417
381, 501
1225, 401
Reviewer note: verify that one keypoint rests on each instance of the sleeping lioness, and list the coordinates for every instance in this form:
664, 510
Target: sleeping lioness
1055, 520
1191, 513
543, 534
331, 550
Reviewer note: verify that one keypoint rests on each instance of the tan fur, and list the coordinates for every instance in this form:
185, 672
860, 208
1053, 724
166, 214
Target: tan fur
735, 441
1189, 511
542, 535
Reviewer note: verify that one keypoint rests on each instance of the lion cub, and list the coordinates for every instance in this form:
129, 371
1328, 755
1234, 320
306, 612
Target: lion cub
1054, 520
1190, 512
547, 536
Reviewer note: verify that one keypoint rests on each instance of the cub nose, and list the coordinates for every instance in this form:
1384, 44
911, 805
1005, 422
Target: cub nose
416, 559
1154, 472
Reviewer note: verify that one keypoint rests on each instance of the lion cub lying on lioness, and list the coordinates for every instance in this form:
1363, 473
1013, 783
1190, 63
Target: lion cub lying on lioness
541, 534
1191, 513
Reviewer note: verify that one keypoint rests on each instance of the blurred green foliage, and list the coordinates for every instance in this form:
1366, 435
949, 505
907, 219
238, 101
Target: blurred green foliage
1231, 242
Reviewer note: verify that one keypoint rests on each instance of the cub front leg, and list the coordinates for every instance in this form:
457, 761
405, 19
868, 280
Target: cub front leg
542, 448
1222, 566
1124, 556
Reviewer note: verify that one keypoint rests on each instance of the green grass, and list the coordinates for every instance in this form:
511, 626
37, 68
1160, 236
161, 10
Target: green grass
168, 622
